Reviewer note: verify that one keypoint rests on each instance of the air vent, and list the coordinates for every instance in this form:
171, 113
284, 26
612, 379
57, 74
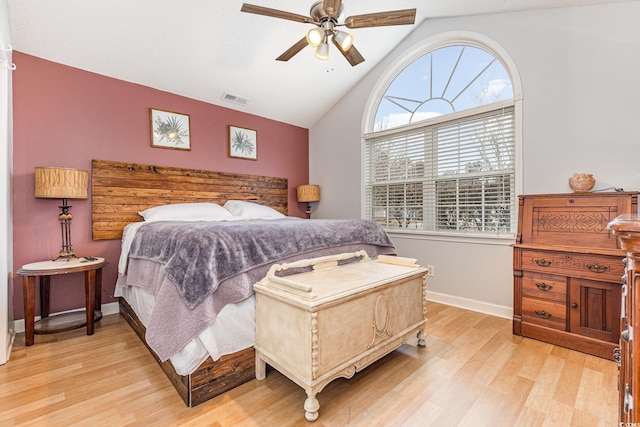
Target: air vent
235, 99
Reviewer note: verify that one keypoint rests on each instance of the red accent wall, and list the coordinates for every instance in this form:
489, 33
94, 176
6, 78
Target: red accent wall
65, 116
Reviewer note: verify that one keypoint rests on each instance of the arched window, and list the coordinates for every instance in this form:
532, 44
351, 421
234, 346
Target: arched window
440, 148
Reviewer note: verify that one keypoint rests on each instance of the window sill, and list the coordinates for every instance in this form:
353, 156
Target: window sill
471, 238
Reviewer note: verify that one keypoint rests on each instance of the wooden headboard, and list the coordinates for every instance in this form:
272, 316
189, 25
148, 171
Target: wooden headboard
120, 190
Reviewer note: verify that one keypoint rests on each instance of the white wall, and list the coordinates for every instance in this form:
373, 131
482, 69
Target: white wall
7, 332
578, 68
4, 22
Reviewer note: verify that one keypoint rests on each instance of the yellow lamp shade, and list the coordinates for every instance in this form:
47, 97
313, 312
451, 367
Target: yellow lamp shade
308, 193
61, 183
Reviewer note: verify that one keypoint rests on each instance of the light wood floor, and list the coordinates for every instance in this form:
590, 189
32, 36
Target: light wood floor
473, 372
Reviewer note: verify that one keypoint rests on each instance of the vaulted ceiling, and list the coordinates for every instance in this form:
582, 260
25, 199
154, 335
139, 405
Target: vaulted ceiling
204, 49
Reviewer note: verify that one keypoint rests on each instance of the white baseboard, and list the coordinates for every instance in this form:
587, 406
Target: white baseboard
467, 304
111, 308
473, 305
11, 336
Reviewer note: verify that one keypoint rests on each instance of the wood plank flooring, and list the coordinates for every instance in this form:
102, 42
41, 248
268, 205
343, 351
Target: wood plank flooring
473, 372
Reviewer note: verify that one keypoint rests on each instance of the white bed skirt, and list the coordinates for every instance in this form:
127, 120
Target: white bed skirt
233, 330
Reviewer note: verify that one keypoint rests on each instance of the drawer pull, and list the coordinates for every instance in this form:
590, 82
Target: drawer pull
595, 268
543, 262
617, 356
625, 335
542, 314
544, 287
628, 399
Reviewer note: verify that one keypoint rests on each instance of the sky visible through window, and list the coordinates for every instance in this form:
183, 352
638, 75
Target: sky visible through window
444, 81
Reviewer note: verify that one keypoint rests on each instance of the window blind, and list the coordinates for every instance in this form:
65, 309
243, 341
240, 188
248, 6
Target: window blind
450, 176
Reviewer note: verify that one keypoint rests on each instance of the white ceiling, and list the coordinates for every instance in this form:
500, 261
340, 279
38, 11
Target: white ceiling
203, 49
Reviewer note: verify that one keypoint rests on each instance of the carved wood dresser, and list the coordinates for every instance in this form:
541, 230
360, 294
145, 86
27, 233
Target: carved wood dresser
567, 270
627, 229
337, 319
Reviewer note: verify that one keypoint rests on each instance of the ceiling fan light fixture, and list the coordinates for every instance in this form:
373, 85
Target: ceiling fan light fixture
314, 37
345, 40
322, 51
325, 14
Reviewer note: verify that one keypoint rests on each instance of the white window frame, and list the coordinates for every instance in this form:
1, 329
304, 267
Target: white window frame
452, 38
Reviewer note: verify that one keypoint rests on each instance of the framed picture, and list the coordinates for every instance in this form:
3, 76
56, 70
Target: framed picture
243, 143
170, 130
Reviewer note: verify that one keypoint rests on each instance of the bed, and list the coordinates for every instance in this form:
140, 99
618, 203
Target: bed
194, 315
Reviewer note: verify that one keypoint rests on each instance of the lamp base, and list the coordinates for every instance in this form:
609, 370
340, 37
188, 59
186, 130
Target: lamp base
66, 250
309, 211
64, 256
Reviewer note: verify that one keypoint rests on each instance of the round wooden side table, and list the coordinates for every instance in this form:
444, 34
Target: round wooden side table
43, 270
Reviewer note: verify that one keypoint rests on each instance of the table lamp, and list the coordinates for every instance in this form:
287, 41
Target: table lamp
308, 194
62, 183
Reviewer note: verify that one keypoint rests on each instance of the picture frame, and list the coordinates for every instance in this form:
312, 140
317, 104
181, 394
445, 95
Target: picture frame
243, 143
170, 129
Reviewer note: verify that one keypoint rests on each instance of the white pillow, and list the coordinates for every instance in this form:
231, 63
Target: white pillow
186, 212
250, 210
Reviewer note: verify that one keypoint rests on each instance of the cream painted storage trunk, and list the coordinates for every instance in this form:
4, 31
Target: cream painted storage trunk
336, 320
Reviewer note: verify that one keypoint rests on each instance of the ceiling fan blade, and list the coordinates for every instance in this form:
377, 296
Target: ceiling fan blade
289, 53
352, 54
259, 10
381, 19
332, 7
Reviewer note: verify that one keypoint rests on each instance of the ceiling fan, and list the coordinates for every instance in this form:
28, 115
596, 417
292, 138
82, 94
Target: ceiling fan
325, 14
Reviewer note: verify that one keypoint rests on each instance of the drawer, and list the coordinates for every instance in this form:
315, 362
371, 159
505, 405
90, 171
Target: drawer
544, 286
544, 313
597, 267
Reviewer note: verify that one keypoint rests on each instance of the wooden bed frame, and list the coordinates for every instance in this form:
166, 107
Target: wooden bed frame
120, 190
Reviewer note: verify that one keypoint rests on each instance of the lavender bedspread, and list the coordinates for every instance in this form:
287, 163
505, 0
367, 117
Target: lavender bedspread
195, 269
198, 256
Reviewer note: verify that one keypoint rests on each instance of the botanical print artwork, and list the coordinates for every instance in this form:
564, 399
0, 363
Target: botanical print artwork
170, 130
243, 143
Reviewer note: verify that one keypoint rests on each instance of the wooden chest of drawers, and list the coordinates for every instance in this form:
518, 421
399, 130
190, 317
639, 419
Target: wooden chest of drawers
567, 270
627, 229
331, 322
